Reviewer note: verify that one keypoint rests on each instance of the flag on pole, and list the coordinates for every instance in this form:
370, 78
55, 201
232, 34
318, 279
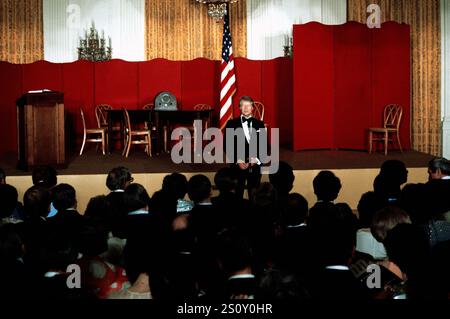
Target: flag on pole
228, 77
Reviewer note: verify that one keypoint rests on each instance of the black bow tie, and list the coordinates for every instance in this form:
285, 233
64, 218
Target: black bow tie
249, 120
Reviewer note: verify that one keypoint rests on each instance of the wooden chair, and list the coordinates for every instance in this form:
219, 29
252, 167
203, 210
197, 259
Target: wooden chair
98, 135
101, 114
149, 107
151, 126
258, 111
392, 117
199, 107
132, 134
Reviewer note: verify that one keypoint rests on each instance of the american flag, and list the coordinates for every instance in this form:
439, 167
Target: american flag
228, 77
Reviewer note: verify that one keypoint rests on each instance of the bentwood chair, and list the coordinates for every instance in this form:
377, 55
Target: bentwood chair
136, 137
392, 117
152, 127
101, 115
92, 135
205, 124
258, 111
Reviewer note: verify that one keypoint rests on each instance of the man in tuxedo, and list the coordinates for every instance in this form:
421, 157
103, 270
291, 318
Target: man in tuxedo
248, 164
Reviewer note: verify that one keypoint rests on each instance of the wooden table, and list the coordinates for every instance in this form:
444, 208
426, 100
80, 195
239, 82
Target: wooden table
159, 119
166, 118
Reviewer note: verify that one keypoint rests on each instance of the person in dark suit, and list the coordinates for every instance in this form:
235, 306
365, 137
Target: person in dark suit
234, 211
67, 219
248, 161
235, 256
118, 179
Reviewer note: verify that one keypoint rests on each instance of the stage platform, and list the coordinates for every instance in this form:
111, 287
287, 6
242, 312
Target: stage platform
92, 162
356, 170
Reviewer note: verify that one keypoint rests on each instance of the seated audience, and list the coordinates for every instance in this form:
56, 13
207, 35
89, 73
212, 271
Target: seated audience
36, 201
100, 277
365, 242
293, 245
382, 222
169, 202
99, 214
266, 225
145, 272
333, 239
283, 181
437, 190
393, 174
413, 199
174, 189
326, 187
13, 274
407, 247
235, 257
18, 213
233, 210
9, 204
67, 218
118, 179
439, 168
46, 176
277, 284
386, 219
58, 252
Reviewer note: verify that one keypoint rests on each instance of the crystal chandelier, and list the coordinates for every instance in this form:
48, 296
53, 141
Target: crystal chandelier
217, 8
93, 48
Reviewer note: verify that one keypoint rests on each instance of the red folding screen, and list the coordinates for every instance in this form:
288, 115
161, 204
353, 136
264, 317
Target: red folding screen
134, 84
343, 77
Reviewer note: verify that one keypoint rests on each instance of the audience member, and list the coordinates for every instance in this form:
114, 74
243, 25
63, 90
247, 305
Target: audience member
118, 179
283, 181
386, 219
407, 247
100, 277
365, 242
13, 276
293, 245
393, 174
233, 210
67, 219
235, 258
333, 238
9, 203
439, 168
99, 214
326, 186
46, 176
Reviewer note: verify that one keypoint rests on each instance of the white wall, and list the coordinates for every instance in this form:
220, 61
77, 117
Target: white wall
270, 21
66, 20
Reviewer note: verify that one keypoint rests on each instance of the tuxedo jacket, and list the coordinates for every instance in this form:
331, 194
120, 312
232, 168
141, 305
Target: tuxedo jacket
257, 126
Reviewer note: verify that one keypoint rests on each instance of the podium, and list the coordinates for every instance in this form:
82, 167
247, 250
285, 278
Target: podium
40, 124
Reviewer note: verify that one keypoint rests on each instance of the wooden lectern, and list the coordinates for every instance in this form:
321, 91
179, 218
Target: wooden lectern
40, 123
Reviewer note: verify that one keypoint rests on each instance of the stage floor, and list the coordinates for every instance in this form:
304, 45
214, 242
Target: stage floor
94, 163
